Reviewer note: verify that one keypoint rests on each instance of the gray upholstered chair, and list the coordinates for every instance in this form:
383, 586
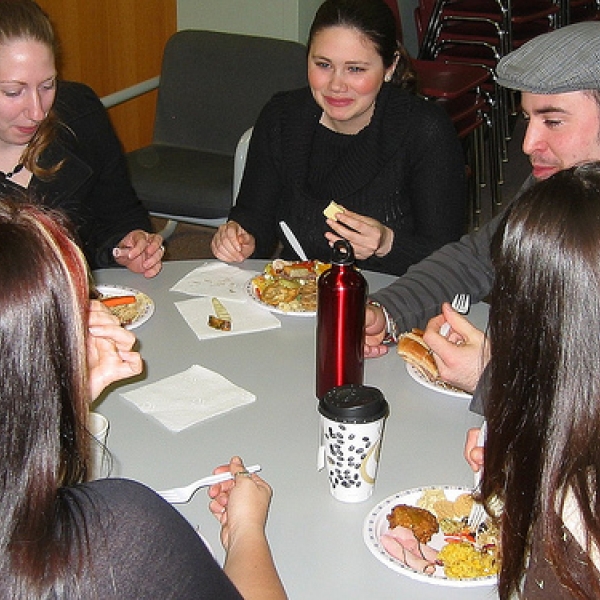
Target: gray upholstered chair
212, 88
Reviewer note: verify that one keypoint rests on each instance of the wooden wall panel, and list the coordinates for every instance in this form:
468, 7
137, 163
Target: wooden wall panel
111, 45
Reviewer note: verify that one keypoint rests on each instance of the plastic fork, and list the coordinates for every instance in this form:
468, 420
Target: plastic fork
478, 513
293, 240
184, 494
477, 516
461, 304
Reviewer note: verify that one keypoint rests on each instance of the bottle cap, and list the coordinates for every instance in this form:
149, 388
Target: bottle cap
343, 253
353, 403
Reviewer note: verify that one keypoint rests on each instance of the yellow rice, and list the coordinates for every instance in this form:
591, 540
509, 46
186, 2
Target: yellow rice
462, 561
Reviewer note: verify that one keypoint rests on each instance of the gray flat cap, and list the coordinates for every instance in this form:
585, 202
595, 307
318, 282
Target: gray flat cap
564, 60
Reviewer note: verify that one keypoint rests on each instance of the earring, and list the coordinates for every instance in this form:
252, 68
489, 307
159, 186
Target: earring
387, 78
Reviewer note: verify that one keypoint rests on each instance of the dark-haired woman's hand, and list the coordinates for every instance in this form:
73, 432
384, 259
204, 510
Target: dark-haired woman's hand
368, 236
473, 452
232, 243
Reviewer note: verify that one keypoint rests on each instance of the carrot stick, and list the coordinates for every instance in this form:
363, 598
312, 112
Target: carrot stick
118, 300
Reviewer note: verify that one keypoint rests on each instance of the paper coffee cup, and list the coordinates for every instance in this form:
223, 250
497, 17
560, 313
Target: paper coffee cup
352, 423
99, 458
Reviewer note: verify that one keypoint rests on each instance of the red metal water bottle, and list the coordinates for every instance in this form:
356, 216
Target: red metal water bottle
341, 298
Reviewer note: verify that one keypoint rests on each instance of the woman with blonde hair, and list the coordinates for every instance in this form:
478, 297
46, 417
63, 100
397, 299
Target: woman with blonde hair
56, 141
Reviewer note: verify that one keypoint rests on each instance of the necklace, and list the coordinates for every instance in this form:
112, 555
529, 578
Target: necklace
15, 170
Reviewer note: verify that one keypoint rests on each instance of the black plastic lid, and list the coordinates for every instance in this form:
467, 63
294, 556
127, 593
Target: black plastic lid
353, 403
343, 253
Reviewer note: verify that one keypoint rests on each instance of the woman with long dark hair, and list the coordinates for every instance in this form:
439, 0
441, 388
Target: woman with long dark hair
62, 536
542, 452
359, 136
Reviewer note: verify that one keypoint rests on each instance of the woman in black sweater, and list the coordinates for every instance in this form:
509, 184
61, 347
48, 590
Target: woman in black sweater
358, 136
57, 142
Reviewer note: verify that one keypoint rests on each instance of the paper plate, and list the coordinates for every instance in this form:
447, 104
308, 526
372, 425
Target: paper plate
436, 386
376, 524
131, 315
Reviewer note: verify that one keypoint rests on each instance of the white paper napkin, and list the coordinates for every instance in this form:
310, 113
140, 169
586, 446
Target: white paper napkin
189, 397
216, 279
246, 317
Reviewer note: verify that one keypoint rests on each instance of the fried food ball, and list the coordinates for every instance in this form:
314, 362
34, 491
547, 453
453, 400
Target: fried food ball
420, 521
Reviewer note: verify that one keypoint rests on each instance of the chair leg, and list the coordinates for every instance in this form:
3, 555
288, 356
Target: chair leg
499, 123
494, 151
480, 166
502, 134
167, 231
426, 50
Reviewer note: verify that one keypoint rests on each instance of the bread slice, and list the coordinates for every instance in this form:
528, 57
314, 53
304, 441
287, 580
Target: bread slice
416, 352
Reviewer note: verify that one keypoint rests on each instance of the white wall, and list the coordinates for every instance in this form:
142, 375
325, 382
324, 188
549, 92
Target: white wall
307, 10
285, 19
407, 8
270, 18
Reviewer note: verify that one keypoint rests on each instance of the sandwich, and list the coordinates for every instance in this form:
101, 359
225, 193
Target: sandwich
416, 352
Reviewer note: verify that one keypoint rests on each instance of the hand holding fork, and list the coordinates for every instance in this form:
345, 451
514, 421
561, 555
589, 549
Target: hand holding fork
478, 513
461, 304
185, 494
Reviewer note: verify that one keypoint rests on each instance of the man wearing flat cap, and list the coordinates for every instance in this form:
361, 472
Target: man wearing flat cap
558, 75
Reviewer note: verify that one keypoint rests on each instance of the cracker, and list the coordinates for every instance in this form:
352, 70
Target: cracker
430, 497
462, 505
444, 509
331, 211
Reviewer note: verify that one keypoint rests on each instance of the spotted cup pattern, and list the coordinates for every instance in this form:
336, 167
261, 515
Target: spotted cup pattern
346, 453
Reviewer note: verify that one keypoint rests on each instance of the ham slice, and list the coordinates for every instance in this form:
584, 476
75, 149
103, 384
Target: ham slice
401, 543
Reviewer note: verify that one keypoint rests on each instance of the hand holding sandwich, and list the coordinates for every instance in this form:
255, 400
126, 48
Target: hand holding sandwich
463, 354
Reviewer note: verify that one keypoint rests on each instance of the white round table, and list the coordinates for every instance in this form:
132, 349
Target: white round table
317, 541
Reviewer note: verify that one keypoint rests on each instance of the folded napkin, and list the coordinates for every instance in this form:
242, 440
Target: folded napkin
189, 397
216, 279
246, 317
